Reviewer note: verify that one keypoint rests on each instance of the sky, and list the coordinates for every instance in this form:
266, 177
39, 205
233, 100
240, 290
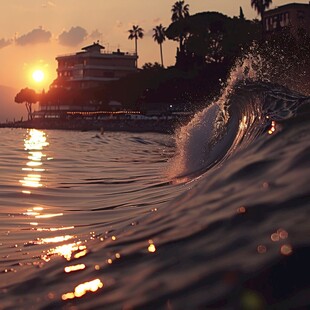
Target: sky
34, 32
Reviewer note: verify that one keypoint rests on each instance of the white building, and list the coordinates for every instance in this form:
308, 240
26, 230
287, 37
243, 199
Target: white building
92, 67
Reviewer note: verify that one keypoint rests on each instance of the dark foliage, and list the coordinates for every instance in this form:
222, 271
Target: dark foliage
29, 97
213, 37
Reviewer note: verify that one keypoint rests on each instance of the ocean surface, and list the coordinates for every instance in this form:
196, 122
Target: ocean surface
213, 217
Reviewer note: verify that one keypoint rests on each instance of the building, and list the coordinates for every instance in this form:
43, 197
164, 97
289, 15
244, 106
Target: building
293, 16
92, 67
70, 94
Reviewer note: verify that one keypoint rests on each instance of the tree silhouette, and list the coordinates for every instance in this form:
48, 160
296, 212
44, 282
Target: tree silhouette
136, 33
212, 37
260, 6
180, 11
159, 36
29, 97
241, 14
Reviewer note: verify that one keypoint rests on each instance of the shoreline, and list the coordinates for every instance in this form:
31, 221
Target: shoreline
160, 126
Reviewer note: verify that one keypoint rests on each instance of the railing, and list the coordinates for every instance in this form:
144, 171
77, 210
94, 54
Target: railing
101, 53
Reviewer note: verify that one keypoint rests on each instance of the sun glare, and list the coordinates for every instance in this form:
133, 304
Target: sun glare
38, 76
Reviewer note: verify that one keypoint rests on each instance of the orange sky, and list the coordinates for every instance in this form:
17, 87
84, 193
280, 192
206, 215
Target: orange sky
34, 32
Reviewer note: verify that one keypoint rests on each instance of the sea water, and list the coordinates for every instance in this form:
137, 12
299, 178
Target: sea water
216, 216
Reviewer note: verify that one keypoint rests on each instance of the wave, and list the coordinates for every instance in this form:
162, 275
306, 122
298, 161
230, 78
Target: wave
247, 108
236, 236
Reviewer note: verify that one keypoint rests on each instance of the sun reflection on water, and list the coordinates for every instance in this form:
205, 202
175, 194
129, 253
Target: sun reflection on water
34, 143
151, 248
272, 128
65, 245
55, 239
36, 140
73, 268
75, 249
40, 213
83, 288
51, 228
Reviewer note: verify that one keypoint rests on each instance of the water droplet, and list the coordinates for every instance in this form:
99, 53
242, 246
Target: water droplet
286, 249
241, 210
275, 237
261, 249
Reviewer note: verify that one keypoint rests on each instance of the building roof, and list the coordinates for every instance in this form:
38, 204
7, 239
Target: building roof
94, 47
95, 51
291, 5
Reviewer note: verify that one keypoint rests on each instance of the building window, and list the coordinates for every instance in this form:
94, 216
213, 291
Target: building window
278, 21
267, 24
286, 18
78, 73
109, 74
301, 15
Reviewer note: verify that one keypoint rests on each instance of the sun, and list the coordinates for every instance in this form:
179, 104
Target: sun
38, 76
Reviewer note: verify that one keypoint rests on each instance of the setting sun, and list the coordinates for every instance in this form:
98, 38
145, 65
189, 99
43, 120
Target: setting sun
38, 76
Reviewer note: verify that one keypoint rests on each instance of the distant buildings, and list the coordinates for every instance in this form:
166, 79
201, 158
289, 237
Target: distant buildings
92, 67
294, 16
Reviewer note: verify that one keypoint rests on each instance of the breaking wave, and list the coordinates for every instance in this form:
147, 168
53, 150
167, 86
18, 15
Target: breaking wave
247, 107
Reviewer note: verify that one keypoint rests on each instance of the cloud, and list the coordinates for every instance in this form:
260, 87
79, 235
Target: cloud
4, 43
48, 4
119, 24
35, 36
73, 37
96, 35
157, 20
149, 33
51, 3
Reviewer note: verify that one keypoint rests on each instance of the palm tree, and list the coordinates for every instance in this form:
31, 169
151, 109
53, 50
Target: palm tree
136, 33
260, 6
159, 36
180, 11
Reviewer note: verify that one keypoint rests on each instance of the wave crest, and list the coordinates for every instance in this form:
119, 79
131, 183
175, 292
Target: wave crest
246, 107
